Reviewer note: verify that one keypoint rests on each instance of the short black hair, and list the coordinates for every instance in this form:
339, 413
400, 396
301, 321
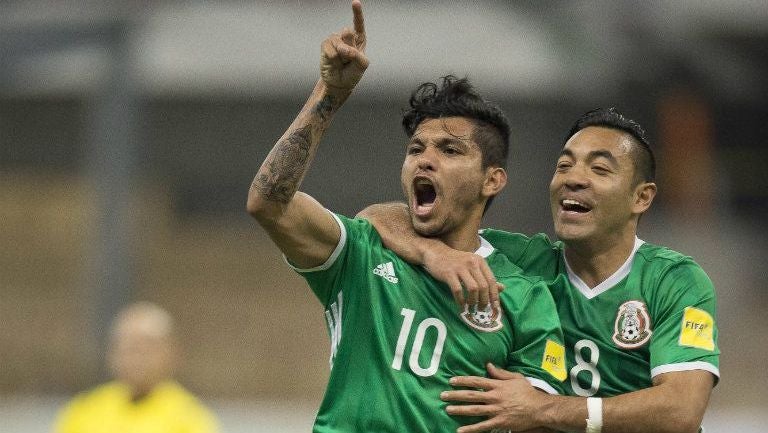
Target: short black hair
456, 97
642, 155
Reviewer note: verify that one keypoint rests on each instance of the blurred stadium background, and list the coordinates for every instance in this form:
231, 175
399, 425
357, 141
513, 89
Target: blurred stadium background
130, 132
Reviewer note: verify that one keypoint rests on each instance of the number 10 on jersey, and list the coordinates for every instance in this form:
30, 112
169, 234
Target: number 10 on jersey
418, 342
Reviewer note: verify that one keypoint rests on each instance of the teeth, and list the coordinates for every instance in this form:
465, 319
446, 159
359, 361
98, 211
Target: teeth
568, 201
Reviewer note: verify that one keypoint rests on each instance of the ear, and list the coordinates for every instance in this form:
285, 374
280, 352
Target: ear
495, 180
644, 194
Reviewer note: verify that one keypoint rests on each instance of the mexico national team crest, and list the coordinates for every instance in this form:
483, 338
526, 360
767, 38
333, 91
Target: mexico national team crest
485, 320
633, 325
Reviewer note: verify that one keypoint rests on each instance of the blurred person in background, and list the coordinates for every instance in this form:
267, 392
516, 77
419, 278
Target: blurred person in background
143, 397
638, 319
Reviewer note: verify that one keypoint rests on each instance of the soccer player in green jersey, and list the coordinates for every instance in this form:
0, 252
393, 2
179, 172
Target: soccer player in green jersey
397, 337
638, 319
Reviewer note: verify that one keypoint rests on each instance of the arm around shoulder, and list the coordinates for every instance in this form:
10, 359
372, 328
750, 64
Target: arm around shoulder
462, 271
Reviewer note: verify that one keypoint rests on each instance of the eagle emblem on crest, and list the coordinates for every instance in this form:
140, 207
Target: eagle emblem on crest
632, 328
485, 320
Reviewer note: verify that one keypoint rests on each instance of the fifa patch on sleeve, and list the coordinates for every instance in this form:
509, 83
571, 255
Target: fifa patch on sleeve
697, 329
554, 360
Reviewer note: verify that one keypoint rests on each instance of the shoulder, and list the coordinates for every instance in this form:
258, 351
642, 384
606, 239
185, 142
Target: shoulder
109, 390
673, 271
516, 282
664, 261
661, 254
355, 228
172, 391
96, 399
195, 413
515, 244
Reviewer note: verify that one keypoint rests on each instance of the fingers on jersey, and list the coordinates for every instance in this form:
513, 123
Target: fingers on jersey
483, 426
457, 289
473, 409
500, 373
471, 382
476, 277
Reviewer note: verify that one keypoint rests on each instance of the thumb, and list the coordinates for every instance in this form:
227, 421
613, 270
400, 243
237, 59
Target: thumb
350, 54
500, 373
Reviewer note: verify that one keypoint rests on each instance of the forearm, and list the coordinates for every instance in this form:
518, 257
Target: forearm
284, 168
653, 409
393, 223
461, 271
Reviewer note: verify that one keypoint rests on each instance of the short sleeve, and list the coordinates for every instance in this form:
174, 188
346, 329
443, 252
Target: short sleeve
685, 333
326, 280
538, 350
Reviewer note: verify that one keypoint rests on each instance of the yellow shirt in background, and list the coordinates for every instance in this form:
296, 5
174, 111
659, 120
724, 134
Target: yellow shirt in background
169, 408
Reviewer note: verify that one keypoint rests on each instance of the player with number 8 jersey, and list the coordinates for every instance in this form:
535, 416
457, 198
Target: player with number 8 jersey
397, 336
654, 315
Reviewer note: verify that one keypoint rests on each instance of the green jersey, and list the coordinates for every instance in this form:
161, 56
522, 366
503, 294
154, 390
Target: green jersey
397, 336
654, 315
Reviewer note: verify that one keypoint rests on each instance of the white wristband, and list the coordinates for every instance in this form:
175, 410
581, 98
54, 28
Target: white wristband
594, 415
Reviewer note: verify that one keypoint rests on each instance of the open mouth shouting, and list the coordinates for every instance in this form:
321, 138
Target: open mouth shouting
424, 197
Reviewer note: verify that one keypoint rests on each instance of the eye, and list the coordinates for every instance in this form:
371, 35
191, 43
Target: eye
600, 169
413, 149
563, 165
450, 150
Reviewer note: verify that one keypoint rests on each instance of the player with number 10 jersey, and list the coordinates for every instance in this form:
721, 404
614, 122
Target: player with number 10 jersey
397, 336
654, 315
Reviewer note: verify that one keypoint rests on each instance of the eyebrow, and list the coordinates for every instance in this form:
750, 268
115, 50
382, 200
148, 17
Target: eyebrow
442, 141
591, 156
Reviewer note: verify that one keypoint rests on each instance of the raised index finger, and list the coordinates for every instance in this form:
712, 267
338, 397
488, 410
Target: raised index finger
359, 22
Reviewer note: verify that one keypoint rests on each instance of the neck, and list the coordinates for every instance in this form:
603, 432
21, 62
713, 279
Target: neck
595, 262
464, 237
139, 393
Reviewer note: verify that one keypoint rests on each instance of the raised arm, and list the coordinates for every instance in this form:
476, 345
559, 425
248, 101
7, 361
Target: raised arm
460, 270
299, 225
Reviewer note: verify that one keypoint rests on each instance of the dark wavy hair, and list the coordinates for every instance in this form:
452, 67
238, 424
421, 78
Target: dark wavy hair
642, 155
456, 97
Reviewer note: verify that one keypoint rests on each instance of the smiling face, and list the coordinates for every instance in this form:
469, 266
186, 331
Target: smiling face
443, 178
594, 194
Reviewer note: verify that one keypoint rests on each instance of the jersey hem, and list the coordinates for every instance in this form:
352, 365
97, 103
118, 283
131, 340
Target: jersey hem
334, 255
685, 366
542, 385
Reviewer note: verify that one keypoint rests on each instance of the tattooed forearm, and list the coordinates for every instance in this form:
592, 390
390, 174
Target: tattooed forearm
326, 106
284, 168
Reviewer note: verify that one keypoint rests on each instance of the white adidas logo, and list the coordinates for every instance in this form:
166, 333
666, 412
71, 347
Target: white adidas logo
387, 271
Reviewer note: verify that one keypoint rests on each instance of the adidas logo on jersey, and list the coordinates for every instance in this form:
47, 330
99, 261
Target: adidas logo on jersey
386, 271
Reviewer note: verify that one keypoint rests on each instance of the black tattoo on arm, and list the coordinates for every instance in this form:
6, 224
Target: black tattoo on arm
326, 106
285, 166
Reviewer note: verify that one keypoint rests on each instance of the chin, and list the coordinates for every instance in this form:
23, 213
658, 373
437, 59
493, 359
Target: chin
427, 228
570, 234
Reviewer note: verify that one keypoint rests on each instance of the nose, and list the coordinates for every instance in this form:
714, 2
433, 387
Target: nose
576, 178
427, 160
